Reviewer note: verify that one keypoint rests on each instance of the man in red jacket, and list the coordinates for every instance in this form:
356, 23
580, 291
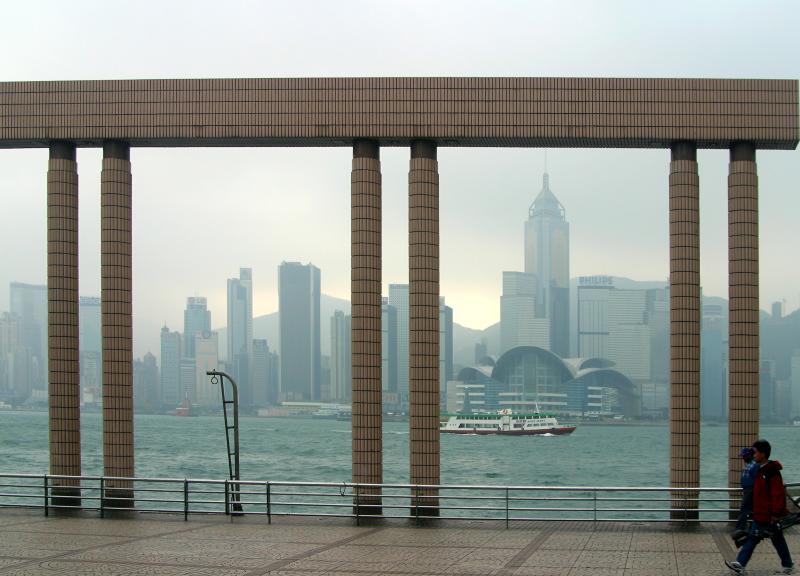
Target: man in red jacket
769, 505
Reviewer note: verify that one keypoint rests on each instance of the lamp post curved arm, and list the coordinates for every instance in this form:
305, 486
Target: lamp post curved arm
233, 465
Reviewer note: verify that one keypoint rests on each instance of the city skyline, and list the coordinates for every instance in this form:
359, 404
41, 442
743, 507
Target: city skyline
199, 214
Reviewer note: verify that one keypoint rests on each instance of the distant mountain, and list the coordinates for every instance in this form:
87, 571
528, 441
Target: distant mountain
267, 327
464, 340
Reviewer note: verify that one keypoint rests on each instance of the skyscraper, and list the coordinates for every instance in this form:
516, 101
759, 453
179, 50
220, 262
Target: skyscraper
264, 374
240, 331
145, 383
547, 257
91, 324
90, 345
445, 345
14, 360
196, 320
519, 323
398, 298
713, 394
629, 327
206, 347
341, 361
388, 347
171, 393
794, 376
29, 304
299, 302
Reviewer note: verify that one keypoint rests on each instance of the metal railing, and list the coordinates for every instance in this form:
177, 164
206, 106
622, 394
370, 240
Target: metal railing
346, 499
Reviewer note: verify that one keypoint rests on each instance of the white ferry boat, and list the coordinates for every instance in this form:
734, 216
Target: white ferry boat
504, 422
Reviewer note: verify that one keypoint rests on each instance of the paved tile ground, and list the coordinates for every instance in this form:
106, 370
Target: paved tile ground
143, 545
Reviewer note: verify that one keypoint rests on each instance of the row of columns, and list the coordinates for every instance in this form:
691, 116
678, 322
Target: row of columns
686, 315
62, 294
366, 283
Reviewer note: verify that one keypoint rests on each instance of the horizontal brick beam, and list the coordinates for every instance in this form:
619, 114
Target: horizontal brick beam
492, 112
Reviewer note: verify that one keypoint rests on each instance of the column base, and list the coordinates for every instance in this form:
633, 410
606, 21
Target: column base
684, 515
368, 509
66, 496
425, 507
118, 498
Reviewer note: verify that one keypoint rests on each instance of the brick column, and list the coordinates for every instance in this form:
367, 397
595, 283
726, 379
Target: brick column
117, 321
365, 275
684, 243
64, 390
423, 330
743, 345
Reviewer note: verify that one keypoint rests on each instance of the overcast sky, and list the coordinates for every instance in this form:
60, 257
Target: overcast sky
200, 214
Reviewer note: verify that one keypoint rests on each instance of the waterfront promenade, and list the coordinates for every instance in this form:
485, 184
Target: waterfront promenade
32, 544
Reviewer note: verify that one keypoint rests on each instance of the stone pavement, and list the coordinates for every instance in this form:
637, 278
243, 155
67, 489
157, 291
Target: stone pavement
31, 544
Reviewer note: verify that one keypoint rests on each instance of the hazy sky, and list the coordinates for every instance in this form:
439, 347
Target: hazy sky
200, 214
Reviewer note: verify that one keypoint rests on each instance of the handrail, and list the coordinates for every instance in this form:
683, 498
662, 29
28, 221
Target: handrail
276, 498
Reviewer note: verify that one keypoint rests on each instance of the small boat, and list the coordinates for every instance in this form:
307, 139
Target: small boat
184, 408
505, 423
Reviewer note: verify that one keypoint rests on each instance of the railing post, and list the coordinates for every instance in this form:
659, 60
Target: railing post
595, 505
227, 499
416, 504
269, 505
357, 511
46, 498
185, 499
506, 507
102, 497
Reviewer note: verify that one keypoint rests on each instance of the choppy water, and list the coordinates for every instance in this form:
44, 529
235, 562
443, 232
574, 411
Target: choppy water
319, 450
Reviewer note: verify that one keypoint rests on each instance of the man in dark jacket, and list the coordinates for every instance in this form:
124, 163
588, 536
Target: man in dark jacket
769, 505
749, 472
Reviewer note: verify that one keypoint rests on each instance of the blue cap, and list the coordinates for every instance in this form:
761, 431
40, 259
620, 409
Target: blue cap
746, 452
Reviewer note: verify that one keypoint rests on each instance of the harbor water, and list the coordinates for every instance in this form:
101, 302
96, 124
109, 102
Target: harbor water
300, 449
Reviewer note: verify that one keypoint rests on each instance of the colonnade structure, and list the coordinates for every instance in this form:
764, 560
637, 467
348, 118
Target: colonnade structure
682, 115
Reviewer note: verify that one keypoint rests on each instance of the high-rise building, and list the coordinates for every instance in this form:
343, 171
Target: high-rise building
629, 327
398, 299
766, 390
240, 331
90, 325
713, 393
519, 323
171, 391
445, 345
188, 380
777, 310
264, 374
794, 376
341, 357
14, 360
206, 357
547, 258
196, 320
91, 367
145, 383
29, 304
90, 344
299, 317
389, 329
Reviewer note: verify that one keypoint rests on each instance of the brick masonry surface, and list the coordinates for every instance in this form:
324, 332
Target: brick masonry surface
32, 545
567, 112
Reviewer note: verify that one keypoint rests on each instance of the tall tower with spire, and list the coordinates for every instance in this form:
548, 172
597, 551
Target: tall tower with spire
547, 257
